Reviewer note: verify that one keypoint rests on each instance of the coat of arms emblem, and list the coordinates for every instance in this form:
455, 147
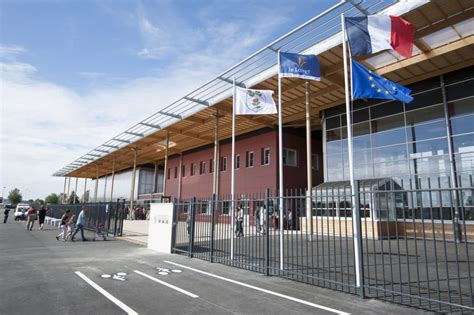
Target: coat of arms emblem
255, 100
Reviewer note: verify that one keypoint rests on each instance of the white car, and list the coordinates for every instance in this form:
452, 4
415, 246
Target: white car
20, 211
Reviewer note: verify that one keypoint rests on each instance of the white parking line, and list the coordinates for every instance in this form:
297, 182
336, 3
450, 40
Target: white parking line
166, 284
117, 302
261, 289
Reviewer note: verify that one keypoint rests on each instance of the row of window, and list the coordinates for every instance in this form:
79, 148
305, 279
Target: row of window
289, 159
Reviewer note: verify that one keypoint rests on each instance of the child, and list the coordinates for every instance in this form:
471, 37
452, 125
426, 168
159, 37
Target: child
71, 223
99, 232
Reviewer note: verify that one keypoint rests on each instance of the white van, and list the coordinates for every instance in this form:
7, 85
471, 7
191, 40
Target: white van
20, 211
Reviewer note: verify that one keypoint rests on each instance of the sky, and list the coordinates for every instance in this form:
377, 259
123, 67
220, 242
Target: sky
75, 73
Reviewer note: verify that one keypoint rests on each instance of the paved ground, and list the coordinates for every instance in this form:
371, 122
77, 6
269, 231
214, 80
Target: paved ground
39, 276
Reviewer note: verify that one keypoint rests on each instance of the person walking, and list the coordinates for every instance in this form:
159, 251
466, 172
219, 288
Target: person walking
31, 216
71, 224
240, 221
5, 215
63, 225
257, 220
263, 220
81, 220
42, 216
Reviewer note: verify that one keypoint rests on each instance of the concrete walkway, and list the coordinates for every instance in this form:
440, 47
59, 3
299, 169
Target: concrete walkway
135, 231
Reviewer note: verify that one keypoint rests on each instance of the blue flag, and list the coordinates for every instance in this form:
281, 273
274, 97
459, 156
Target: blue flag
299, 66
368, 84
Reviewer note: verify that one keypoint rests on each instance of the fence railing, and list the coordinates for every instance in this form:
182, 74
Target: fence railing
110, 214
416, 243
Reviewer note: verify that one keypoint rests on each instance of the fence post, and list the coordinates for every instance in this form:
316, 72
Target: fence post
191, 234
109, 212
357, 234
116, 217
174, 222
213, 224
266, 219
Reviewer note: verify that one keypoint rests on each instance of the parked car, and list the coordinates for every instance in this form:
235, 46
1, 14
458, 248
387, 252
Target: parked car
20, 211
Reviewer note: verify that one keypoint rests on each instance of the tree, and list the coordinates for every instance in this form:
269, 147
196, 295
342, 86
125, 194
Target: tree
39, 201
62, 198
14, 196
72, 198
52, 199
85, 197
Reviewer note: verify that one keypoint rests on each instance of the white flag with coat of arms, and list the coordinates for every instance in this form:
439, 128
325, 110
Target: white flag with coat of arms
254, 102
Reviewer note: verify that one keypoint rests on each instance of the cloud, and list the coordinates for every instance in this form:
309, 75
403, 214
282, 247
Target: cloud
11, 52
46, 125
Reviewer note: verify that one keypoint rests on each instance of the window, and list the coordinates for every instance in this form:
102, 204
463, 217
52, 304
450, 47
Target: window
237, 161
202, 168
266, 156
176, 172
211, 166
226, 207
193, 169
183, 171
204, 207
249, 162
168, 176
315, 162
223, 163
289, 157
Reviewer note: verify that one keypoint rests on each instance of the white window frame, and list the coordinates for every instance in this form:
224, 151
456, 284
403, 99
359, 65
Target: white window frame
237, 161
285, 153
224, 163
248, 159
315, 162
265, 155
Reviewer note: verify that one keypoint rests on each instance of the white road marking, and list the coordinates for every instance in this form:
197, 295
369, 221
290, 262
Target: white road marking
166, 284
117, 302
261, 289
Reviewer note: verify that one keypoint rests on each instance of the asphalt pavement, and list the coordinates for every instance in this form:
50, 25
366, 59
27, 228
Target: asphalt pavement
40, 275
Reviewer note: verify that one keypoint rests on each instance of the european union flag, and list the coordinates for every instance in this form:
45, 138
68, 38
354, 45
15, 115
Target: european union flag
368, 84
299, 66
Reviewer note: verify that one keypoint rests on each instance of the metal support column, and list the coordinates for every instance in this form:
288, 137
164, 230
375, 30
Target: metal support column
64, 191
113, 180
132, 189
68, 188
452, 167
85, 191
96, 183
75, 191
309, 166
215, 175
166, 162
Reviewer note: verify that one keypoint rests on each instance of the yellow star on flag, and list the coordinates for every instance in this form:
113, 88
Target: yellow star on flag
379, 90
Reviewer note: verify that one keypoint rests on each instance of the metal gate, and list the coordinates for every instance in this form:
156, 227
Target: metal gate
415, 242
110, 214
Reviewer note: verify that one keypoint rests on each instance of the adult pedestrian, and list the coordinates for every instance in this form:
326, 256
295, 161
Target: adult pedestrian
263, 219
31, 215
63, 225
42, 216
240, 221
5, 214
81, 220
257, 220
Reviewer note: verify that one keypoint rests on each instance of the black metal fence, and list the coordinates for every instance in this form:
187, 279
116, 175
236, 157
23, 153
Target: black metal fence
110, 214
415, 243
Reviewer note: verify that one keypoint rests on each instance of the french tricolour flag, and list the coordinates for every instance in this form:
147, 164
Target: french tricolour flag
373, 33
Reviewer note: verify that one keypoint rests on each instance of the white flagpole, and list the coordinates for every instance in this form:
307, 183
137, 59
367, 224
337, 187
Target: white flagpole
232, 173
280, 161
354, 199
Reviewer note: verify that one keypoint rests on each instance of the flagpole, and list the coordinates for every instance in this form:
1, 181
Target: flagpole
354, 191
280, 161
232, 173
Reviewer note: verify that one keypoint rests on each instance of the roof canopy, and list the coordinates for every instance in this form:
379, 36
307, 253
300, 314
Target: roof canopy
444, 42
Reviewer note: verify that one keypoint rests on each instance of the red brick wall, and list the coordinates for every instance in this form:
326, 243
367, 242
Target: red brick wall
248, 180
